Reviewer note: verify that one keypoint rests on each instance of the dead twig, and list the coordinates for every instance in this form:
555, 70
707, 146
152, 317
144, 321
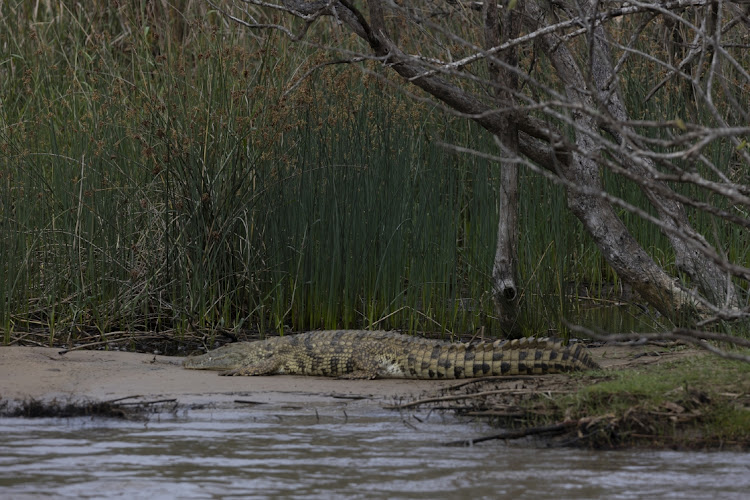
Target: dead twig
558, 428
490, 379
694, 337
439, 399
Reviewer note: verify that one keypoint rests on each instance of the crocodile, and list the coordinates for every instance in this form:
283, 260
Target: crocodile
364, 354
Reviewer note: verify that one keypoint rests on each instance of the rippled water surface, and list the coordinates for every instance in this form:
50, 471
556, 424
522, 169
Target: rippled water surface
332, 451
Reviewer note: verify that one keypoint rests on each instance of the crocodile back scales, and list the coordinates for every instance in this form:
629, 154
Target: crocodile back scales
380, 354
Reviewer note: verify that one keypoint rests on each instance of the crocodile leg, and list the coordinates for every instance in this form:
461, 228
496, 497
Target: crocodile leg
268, 366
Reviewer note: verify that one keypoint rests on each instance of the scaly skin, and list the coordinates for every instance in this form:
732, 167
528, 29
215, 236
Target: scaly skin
376, 354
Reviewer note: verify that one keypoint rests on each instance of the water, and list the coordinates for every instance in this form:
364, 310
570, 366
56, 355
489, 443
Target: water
352, 450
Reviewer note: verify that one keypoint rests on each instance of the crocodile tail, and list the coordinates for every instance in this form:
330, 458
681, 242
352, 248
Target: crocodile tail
535, 355
583, 357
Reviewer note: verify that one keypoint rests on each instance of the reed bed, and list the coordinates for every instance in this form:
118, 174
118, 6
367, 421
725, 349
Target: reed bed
159, 172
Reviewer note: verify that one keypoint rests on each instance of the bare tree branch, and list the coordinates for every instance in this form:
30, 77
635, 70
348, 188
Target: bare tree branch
697, 338
571, 116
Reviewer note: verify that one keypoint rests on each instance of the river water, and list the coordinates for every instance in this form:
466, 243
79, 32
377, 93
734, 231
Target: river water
335, 450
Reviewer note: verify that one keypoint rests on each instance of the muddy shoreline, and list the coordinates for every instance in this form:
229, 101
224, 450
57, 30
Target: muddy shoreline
43, 373
121, 384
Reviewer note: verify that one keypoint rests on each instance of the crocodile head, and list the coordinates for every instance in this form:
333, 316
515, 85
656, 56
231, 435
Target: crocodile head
228, 357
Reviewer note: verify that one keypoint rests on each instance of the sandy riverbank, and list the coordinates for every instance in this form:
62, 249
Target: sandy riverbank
43, 373
640, 399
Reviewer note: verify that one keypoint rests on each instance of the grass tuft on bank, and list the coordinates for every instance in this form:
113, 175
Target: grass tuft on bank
695, 402
682, 399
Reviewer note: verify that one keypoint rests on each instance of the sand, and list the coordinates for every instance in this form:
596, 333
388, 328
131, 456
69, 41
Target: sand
45, 374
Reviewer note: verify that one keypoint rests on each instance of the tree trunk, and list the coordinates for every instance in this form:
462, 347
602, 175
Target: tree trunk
505, 267
713, 283
576, 164
629, 260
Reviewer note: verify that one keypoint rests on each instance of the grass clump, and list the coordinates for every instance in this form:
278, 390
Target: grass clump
694, 402
682, 400
35, 408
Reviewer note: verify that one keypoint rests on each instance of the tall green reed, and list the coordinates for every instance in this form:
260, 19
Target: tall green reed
155, 176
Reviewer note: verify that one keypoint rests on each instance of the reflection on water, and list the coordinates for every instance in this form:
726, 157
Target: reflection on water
336, 451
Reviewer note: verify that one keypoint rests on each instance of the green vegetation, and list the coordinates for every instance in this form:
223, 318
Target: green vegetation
698, 401
655, 398
159, 172
32, 408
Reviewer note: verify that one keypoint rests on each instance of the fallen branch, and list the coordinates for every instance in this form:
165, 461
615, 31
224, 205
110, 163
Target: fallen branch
438, 399
111, 341
504, 378
558, 428
697, 338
